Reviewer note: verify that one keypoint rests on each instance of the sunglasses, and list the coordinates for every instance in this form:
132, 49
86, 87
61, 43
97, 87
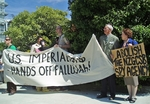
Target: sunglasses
7, 39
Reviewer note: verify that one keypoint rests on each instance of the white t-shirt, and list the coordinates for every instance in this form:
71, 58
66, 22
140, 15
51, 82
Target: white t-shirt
34, 47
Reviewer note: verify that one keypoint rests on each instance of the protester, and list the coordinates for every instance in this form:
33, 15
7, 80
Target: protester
35, 48
11, 87
130, 81
108, 42
62, 42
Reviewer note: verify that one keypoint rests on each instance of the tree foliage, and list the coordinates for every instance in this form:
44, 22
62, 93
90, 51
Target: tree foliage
25, 27
90, 17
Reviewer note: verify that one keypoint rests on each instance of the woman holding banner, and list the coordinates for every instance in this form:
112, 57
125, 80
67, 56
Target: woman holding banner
35, 48
130, 81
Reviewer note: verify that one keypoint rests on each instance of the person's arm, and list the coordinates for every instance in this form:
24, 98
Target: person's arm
117, 45
32, 49
132, 42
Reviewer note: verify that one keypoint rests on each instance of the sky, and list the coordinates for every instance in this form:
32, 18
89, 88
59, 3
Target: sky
16, 6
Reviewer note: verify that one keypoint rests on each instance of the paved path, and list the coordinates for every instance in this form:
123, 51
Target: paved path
27, 95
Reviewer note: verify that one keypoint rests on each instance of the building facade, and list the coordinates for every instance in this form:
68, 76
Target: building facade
3, 22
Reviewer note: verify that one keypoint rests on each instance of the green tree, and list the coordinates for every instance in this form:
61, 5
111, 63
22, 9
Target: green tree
25, 27
90, 17
2, 45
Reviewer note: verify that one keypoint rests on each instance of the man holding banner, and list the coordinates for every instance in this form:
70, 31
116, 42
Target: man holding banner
108, 42
63, 43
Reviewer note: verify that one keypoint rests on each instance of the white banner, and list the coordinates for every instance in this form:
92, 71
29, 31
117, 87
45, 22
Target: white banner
56, 67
